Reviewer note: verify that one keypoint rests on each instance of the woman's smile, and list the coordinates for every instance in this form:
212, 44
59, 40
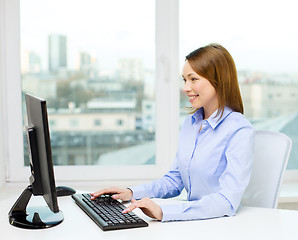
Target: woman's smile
192, 97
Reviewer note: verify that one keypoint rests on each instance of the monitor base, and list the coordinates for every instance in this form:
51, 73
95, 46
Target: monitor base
32, 217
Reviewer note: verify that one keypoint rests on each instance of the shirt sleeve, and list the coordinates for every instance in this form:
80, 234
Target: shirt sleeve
170, 185
233, 182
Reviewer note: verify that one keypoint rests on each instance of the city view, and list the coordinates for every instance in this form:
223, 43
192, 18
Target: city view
92, 113
101, 103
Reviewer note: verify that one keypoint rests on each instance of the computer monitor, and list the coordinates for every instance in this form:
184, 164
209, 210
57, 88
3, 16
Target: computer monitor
42, 180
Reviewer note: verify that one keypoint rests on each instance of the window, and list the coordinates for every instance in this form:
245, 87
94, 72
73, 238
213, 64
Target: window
52, 123
262, 45
97, 122
119, 122
264, 59
73, 122
87, 69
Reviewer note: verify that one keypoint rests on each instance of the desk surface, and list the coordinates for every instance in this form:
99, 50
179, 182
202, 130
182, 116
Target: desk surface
249, 223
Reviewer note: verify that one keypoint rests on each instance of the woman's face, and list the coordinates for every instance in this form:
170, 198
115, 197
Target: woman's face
199, 91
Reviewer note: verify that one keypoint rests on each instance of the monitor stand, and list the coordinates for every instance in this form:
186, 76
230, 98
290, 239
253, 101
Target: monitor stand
36, 217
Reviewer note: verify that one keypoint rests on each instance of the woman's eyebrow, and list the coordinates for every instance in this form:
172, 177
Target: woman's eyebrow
191, 74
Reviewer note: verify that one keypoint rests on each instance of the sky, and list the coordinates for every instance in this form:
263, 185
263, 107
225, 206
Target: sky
108, 33
260, 34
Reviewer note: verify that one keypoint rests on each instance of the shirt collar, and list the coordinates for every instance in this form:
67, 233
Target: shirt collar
213, 120
198, 115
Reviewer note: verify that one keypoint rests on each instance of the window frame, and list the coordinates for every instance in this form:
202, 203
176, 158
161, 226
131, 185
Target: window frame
167, 97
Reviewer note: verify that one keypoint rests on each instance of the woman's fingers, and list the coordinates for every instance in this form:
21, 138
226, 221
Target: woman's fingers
148, 207
126, 195
131, 207
118, 193
111, 190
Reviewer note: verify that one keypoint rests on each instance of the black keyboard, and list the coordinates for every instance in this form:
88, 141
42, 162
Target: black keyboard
106, 212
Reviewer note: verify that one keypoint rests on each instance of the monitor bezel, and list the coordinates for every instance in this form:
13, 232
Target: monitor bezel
37, 116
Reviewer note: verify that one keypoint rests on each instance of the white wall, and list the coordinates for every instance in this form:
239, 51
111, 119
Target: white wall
2, 161
2, 113
2, 165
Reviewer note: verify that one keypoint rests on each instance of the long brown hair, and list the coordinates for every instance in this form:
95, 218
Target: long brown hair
215, 63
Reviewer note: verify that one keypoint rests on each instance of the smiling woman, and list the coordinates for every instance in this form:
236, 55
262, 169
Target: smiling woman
215, 67
266, 58
215, 152
200, 91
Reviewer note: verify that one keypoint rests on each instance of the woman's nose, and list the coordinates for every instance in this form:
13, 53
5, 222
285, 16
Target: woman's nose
186, 87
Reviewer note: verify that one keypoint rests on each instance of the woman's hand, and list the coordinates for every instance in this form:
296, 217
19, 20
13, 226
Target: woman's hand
148, 207
123, 194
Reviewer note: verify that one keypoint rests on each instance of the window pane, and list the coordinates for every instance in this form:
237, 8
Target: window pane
94, 63
263, 45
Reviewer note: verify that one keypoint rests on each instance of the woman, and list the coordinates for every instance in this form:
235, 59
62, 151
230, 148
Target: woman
215, 150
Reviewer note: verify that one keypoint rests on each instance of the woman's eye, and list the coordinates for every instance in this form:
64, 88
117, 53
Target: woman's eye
194, 79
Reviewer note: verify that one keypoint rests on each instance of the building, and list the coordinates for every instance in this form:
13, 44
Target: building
101, 115
131, 69
57, 53
148, 115
30, 62
85, 61
81, 136
269, 100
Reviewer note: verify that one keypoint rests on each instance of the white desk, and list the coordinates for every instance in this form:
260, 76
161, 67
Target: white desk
250, 223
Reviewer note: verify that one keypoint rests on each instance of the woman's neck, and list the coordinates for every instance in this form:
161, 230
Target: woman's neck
209, 112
